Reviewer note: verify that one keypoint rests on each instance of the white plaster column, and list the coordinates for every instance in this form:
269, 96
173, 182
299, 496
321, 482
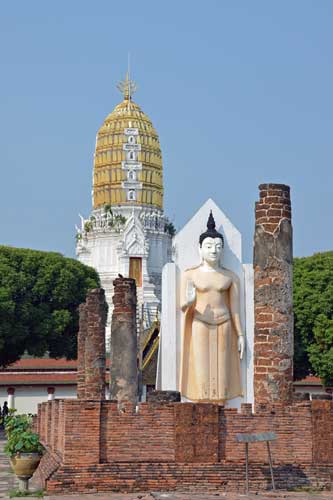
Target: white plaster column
170, 340
144, 394
50, 393
11, 398
249, 331
145, 276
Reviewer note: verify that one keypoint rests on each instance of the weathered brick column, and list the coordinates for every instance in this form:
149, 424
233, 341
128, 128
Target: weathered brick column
96, 311
273, 334
124, 349
81, 352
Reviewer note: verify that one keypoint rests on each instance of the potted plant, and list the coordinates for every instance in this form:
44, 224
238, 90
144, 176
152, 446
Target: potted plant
14, 422
23, 447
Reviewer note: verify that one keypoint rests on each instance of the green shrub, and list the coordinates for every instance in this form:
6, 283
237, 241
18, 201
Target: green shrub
15, 422
20, 437
39, 297
23, 442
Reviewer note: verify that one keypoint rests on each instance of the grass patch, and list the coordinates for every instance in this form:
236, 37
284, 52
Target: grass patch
17, 493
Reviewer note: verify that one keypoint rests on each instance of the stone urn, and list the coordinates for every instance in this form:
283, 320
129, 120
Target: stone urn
24, 466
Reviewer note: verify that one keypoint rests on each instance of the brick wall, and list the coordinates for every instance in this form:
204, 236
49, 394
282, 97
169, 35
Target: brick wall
148, 435
322, 430
273, 334
48, 466
81, 432
196, 432
143, 477
171, 445
292, 425
100, 431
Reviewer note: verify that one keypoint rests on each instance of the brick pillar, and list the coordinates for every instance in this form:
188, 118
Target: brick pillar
273, 333
39, 419
124, 349
81, 347
55, 424
48, 415
82, 436
95, 345
42, 423
61, 424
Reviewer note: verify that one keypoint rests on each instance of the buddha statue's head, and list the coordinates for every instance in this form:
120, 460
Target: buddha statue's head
211, 243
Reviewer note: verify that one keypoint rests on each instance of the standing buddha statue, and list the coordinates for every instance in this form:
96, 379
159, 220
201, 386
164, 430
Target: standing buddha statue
212, 338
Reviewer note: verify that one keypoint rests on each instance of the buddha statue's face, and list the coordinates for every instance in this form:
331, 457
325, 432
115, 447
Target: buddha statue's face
211, 250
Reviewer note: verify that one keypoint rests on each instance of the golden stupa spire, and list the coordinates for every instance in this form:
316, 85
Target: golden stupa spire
127, 86
128, 153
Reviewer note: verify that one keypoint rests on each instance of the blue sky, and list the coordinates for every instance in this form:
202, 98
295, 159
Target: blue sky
240, 93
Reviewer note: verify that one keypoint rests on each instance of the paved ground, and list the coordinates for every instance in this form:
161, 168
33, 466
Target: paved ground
8, 481
198, 496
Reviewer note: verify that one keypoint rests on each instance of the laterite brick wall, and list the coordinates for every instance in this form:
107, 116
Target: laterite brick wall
322, 419
292, 425
92, 432
148, 435
100, 446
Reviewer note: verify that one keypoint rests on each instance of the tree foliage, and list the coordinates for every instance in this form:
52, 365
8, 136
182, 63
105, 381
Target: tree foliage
313, 316
39, 297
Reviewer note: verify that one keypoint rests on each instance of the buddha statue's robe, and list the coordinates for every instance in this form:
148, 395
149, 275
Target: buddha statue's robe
210, 364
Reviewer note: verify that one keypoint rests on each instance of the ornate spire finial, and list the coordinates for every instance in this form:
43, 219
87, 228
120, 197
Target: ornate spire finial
211, 230
127, 86
211, 222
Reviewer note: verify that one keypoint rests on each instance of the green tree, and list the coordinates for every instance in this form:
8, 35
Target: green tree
39, 297
313, 315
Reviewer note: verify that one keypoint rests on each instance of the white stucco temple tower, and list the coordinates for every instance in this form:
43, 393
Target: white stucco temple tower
127, 232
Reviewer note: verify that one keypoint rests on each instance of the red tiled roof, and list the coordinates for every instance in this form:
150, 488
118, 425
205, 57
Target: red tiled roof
37, 379
41, 371
14, 379
309, 380
45, 364
42, 363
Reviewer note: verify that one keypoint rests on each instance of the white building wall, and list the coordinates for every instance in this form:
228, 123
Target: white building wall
26, 398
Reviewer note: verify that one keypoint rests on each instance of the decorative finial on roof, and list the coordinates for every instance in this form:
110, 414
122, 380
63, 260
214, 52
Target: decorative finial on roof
211, 230
127, 86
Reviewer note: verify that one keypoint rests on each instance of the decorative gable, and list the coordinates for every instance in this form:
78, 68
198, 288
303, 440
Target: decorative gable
135, 244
